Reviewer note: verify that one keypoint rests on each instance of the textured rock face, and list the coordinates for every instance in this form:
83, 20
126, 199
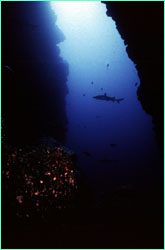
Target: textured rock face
140, 24
34, 90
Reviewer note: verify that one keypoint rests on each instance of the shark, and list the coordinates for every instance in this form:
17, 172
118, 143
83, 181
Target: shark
107, 98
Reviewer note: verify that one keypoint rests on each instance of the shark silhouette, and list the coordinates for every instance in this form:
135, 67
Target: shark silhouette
107, 98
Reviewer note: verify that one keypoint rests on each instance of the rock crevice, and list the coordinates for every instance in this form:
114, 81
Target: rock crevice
140, 24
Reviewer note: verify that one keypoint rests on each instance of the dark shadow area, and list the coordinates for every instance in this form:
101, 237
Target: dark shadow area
141, 25
33, 74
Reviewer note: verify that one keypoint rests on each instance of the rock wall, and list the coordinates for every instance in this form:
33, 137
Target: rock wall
33, 74
140, 24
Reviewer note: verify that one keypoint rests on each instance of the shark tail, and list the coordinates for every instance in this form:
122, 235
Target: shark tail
120, 100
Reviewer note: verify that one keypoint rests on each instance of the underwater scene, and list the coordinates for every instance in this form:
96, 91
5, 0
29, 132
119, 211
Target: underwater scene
82, 125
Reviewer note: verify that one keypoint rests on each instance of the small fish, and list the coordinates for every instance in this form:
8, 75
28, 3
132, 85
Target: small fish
9, 68
108, 66
92, 83
87, 154
84, 94
136, 84
113, 145
107, 161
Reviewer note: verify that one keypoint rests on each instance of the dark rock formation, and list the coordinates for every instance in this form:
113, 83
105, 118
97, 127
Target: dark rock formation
33, 74
140, 24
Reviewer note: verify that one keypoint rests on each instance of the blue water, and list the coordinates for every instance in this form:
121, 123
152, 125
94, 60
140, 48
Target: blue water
92, 41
